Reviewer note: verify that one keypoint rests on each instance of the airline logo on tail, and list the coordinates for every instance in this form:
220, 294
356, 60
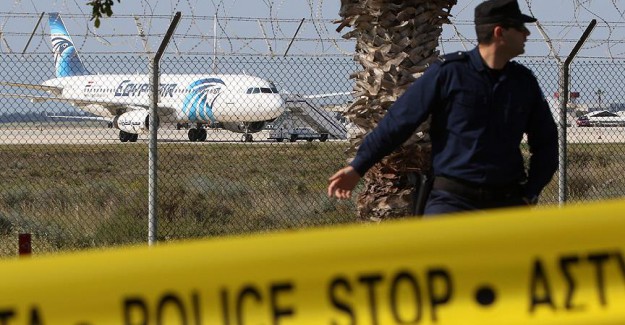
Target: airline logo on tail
66, 60
196, 104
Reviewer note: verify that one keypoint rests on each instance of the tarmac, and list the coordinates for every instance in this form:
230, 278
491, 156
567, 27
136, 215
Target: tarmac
47, 134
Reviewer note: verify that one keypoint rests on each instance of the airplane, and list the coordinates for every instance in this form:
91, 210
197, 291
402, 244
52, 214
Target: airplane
235, 102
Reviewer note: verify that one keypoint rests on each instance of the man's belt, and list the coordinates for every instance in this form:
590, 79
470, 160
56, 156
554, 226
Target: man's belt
476, 192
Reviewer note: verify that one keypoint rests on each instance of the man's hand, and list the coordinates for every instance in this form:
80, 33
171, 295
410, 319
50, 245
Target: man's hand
343, 182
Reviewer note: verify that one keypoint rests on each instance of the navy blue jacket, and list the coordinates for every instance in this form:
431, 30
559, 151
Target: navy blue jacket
477, 126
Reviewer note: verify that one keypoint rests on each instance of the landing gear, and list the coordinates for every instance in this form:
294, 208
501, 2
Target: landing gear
128, 137
197, 134
180, 126
192, 134
247, 138
202, 135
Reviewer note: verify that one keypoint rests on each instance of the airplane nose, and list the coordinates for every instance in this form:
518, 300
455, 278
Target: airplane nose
279, 103
273, 106
276, 105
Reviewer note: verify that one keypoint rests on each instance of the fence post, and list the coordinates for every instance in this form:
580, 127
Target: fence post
33, 33
564, 101
153, 128
24, 244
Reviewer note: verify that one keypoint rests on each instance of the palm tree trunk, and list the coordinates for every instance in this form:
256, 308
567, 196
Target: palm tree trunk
395, 42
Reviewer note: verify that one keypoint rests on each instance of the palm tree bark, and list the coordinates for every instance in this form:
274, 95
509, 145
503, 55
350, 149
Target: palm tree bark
395, 42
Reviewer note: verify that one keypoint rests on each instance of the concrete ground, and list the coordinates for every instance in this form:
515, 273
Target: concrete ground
46, 134
53, 134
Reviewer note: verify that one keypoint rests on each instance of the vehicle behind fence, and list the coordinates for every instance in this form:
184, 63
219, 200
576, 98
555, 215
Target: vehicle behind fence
71, 180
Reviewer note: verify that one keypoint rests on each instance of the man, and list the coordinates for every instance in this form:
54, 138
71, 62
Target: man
481, 105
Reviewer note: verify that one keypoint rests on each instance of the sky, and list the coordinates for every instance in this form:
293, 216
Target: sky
266, 27
243, 25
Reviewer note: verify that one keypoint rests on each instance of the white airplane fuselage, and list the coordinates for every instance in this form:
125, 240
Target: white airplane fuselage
185, 98
238, 102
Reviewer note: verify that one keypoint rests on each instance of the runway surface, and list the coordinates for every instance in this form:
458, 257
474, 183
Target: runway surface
46, 134
51, 134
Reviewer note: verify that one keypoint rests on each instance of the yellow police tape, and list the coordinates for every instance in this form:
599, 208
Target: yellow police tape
542, 266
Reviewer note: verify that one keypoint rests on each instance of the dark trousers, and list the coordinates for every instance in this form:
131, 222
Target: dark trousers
448, 196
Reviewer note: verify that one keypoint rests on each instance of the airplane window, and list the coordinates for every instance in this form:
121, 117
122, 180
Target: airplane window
273, 87
272, 90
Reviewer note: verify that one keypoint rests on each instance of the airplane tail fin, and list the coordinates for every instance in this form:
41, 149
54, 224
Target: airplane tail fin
67, 63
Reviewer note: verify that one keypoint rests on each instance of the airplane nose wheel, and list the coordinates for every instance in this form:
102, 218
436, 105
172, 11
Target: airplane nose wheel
247, 138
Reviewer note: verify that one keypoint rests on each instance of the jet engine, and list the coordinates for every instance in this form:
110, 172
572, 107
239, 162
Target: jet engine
244, 127
136, 122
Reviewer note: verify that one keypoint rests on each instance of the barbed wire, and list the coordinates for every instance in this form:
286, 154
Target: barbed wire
269, 33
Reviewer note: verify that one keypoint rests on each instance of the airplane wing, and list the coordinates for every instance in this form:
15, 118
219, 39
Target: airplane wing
113, 108
54, 90
327, 95
304, 97
93, 118
73, 102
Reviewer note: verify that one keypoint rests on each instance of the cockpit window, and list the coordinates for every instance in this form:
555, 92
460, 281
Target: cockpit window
273, 87
263, 90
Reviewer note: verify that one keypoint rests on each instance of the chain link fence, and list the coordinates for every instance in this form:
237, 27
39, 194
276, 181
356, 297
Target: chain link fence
75, 181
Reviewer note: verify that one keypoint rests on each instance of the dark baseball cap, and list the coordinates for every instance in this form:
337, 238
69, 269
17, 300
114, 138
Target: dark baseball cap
500, 11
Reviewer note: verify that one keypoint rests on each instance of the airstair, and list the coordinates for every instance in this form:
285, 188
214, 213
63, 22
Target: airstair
300, 111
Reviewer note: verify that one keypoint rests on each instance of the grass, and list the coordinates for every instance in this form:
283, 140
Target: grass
595, 172
75, 197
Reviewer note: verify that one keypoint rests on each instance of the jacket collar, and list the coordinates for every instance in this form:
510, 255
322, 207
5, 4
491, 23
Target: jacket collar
476, 59
478, 63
